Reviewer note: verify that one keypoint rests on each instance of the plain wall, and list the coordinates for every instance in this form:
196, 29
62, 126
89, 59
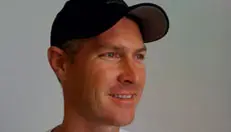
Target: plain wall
189, 71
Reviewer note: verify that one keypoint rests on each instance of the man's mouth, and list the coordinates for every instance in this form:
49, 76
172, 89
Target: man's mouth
123, 96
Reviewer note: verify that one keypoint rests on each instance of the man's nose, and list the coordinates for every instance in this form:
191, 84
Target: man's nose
129, 73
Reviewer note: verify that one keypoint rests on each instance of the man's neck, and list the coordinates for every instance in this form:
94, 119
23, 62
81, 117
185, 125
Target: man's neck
62, 128
73, 122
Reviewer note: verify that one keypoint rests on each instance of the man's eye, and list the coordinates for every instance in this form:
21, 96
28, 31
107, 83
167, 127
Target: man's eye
140, 56
110, 55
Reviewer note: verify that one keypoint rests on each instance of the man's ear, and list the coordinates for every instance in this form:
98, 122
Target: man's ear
58, 61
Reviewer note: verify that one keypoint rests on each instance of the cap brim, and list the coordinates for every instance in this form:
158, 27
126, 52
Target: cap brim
152, 19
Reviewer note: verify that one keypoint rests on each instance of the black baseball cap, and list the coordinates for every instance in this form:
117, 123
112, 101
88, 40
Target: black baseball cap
81, 19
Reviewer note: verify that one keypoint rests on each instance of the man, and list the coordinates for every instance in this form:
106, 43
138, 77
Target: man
97, 53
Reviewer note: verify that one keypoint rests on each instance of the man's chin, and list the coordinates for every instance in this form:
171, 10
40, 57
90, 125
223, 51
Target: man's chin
121, 122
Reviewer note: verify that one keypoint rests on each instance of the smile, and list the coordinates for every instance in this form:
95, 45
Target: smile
123, 96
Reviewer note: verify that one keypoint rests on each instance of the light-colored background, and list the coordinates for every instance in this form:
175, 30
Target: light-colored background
189, 71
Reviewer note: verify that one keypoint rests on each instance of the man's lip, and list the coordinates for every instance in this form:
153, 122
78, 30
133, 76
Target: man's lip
124, 102
124, 89
123, 93
134, 94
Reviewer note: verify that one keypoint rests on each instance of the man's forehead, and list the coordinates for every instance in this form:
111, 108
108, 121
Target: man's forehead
121, 47
125, 35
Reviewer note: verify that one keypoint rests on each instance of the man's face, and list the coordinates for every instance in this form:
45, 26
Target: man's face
106, 80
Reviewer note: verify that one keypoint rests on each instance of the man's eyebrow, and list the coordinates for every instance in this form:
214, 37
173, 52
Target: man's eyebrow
143, 49
112, 47
119, 48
